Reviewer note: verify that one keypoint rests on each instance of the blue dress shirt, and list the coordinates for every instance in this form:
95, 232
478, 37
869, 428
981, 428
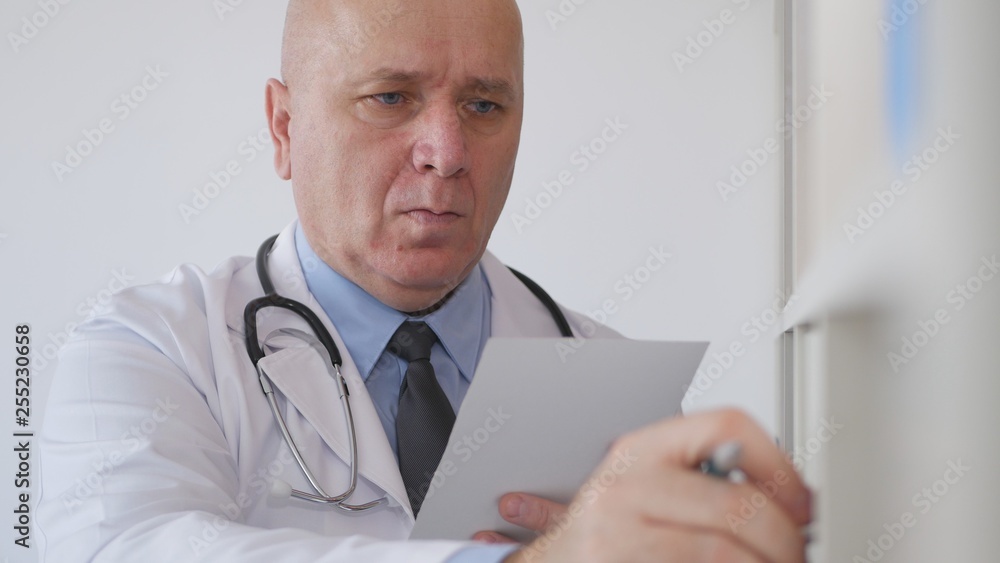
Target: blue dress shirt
366, 324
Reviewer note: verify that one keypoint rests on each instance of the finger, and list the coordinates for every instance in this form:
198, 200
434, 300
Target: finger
492, 537
687, 441
529, 511
740, 510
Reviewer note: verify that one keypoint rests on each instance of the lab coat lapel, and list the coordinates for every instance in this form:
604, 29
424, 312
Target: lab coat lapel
515, 311
518, 313
308, 385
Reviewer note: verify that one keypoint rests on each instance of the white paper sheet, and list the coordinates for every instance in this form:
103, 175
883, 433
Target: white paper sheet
540, 416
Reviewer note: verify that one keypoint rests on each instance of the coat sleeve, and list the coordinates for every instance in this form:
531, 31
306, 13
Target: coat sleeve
135, 466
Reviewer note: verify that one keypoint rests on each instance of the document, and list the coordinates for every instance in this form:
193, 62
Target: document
539, 417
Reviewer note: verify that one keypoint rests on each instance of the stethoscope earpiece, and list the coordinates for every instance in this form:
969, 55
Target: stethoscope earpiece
280, 489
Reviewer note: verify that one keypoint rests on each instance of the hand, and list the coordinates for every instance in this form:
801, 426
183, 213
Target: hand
527, 511
648, 501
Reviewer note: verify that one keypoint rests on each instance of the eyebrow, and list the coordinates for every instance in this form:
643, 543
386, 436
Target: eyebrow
391, 75
494, 86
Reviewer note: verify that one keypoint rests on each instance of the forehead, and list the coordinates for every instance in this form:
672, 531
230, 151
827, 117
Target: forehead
429, 40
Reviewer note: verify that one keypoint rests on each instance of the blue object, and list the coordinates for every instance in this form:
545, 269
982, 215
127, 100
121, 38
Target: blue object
483, 554
902, 34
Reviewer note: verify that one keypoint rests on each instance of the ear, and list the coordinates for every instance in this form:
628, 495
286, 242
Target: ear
276, 106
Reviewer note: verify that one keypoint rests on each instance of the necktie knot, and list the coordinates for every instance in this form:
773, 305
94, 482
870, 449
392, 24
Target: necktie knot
413, 341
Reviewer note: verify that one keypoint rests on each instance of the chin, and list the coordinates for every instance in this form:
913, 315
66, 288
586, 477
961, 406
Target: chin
429, 269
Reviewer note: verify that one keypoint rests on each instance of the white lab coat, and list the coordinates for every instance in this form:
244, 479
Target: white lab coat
159, 445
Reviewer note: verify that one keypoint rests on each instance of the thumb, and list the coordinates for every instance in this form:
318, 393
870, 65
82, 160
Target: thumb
529, 511
492, 537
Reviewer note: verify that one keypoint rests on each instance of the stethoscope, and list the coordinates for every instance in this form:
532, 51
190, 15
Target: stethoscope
323, 340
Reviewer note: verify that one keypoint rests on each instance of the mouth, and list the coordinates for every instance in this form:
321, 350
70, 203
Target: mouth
430, 217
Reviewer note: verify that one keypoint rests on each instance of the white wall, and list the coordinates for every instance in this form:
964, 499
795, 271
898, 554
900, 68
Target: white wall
65, 238
900, 345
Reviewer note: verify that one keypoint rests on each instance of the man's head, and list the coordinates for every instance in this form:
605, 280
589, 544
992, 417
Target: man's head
398, 123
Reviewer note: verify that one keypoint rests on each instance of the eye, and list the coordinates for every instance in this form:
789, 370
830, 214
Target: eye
389, 98
483, 107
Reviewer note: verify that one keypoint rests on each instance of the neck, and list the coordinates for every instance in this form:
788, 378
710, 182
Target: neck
428, 310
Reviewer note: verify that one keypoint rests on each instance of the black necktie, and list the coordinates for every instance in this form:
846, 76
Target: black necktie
425, 417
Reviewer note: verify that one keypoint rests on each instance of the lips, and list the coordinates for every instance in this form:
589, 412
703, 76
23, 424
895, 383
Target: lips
429, 217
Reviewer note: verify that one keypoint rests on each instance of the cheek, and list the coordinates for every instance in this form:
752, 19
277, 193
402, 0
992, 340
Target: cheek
497, 198
343, 169
496, 181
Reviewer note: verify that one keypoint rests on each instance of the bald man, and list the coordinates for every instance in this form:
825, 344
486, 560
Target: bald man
397, 124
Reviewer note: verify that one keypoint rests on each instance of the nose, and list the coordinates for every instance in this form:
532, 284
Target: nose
440, 146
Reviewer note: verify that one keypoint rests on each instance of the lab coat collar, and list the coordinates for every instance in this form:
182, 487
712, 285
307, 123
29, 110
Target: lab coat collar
529, 318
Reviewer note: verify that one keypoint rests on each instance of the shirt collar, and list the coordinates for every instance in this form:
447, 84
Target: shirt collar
366, 324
